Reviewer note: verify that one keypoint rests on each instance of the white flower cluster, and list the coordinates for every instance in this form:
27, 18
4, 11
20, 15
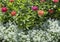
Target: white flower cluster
41, 36
23, 37
10, 32
50, 34
54, 26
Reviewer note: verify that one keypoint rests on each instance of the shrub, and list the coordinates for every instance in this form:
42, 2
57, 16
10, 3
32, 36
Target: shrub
25, 16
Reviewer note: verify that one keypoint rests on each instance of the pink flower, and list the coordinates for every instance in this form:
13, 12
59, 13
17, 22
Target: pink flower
55, 1
13, 13
34, 8
4, 9
40, 12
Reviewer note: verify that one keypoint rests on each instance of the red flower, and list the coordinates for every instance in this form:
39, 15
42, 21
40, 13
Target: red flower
13, 13
55, 1
11, 0
40, 12
4, 9
34, 8
50, 11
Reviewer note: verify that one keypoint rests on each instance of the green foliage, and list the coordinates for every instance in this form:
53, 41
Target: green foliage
25, 17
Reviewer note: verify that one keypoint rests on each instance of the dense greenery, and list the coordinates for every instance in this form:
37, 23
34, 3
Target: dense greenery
26, 17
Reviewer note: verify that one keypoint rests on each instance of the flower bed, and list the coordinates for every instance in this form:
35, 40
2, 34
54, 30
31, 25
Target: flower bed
29, 20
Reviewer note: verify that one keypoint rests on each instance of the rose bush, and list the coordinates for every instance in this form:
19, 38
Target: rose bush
29, 13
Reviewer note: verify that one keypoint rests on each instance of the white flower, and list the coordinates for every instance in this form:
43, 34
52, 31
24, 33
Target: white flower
8, 32
11, 33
